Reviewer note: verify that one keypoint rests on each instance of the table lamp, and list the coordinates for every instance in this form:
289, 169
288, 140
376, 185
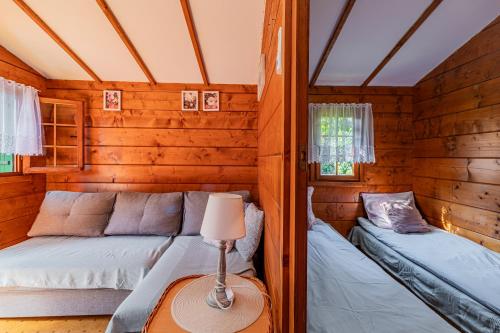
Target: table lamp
223, 220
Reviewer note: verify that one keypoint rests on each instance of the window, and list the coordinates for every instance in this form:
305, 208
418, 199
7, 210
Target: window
339, 171
7, 163
340, 138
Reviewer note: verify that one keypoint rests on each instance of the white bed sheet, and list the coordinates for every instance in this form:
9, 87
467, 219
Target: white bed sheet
114, 262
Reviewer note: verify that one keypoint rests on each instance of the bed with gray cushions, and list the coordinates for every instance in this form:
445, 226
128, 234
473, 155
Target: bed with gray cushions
89, 251
67, 275
349, 293
457, 277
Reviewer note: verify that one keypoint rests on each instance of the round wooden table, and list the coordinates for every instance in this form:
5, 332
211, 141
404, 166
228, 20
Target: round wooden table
161, 321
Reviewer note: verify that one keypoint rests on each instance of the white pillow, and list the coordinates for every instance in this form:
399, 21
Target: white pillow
377, 204
310, 213
254, 223
213, 242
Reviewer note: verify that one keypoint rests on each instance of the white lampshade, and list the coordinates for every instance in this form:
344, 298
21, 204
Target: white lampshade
223, 218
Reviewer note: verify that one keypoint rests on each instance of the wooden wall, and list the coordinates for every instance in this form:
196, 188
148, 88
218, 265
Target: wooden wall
151, 145
339, 203
12, 68
271, 159
20, 200
20, 195
457, 141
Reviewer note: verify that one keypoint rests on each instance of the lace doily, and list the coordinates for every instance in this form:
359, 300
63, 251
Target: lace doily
191, 311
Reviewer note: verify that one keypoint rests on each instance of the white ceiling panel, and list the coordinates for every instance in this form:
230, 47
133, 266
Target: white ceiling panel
84, 27
160, 35
324, 15
21, 36
450, 26
230, 35
370, 32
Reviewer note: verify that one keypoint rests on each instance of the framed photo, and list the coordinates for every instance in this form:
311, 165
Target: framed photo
112, 100
189, 100
210, 101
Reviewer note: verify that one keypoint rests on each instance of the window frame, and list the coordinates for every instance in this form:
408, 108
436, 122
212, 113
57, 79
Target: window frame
315, 174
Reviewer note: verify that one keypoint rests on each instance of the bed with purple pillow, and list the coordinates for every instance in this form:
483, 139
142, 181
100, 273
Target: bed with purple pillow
455, 276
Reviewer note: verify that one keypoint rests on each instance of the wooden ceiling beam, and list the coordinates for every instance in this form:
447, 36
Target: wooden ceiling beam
333, 38
25, 8
427, 12
128, 43
194, 39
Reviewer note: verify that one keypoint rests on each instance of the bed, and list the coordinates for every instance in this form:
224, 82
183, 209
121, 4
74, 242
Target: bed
70, 276
188, 255
349, 293
457, 277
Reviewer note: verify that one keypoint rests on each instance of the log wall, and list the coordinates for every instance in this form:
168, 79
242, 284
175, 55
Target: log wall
153, 146
20, 195
457, 141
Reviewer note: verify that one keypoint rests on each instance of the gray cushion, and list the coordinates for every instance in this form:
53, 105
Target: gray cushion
311, 219
195, 204
73, 214
138, 213
254, 223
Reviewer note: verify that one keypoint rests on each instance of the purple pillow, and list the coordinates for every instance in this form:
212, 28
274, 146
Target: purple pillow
405, 218
376, 205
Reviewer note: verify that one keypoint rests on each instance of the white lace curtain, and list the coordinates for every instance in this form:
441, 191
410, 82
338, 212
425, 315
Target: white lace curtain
20, 119
341, 133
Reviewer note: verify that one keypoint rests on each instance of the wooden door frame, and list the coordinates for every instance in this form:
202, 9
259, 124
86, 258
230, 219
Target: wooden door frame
296, 131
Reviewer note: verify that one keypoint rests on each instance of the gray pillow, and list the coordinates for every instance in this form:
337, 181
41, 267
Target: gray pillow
376, 206
138, 213
73, 214
406, 219
311, 218
254, 224
195, 204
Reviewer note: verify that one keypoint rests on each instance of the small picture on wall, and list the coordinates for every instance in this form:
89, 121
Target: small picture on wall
112, 100
189, 100
210, 101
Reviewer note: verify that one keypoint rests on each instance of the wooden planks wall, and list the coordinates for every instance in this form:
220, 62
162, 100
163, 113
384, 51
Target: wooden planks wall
271, 160
457, 141
151, 145
20, 200
20, 195
339, 203
12, 68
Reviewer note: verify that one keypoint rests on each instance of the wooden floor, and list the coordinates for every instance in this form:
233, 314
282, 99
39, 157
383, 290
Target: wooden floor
90, 324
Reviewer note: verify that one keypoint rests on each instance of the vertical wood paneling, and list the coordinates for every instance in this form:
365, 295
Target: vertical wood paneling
457, 141
339, 203
151, 145
271, 160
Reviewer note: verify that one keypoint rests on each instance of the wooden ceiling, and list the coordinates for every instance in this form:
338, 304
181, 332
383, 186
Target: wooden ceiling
171, 41
389, 42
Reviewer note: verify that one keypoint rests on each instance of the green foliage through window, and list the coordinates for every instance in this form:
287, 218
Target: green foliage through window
6, 163
340, 132
340, 169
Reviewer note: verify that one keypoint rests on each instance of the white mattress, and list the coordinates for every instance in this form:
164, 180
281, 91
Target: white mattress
113, 262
